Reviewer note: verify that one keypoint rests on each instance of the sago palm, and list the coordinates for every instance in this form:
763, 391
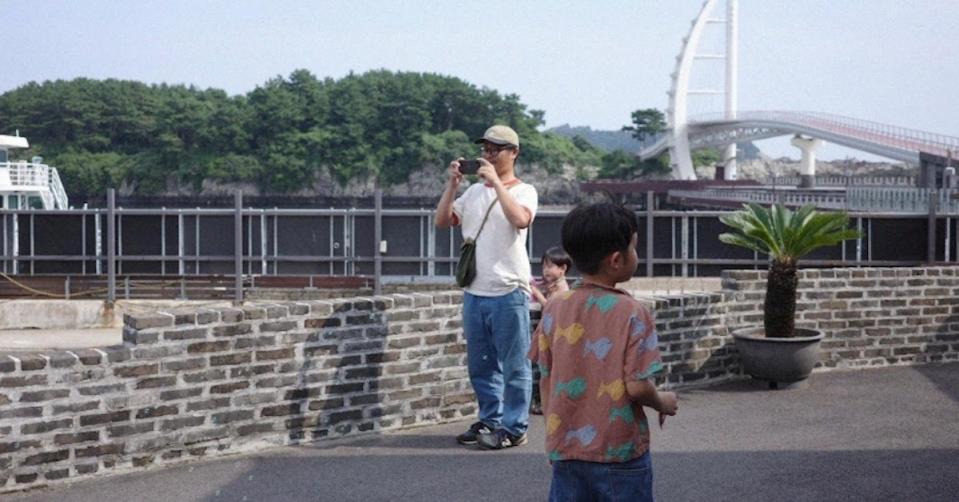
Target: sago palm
785, 236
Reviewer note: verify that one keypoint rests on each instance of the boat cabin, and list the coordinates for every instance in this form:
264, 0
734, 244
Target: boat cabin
28, 185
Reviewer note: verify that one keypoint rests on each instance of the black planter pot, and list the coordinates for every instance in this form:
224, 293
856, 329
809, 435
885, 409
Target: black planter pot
783, 362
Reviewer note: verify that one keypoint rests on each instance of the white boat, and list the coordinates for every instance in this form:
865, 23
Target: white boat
28, 185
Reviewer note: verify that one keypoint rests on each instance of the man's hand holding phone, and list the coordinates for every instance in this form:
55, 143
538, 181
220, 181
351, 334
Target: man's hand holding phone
487, 171
480, 167
470, 166
456, 177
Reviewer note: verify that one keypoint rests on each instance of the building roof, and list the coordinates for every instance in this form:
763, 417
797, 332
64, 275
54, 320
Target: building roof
13, 142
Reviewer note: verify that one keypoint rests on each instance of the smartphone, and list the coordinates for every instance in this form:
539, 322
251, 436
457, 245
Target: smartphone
469, 166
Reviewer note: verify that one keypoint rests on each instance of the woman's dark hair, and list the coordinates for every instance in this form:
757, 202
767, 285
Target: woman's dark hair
593, 232
557, 256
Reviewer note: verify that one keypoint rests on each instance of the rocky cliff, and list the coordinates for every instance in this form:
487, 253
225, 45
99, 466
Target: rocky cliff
425, 185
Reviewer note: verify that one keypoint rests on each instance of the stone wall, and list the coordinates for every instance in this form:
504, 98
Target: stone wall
194, 384
695, 344
206, 382
870, 316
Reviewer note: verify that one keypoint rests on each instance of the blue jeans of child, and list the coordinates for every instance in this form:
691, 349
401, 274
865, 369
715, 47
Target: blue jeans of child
576, 480
497, 344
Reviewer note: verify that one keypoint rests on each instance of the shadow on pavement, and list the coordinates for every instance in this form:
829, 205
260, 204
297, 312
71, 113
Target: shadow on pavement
919, 474
927, 475
944, 377
885, 434
709, 476
413, 441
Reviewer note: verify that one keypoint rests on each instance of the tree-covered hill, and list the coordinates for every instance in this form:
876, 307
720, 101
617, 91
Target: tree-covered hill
378, 125
610, 141
604, 140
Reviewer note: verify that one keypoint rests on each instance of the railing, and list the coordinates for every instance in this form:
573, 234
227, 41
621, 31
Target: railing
786, 197
27, 174
903, 200
885, 134
40, 177
245, 242
56, 186
841, 181
869, 199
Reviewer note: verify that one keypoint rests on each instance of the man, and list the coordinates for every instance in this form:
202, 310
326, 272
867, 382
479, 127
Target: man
496, 302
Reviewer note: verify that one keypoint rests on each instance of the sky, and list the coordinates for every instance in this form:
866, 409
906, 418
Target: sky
583, 63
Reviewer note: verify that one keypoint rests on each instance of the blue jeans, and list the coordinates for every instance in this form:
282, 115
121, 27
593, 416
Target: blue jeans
576, 480
497, 344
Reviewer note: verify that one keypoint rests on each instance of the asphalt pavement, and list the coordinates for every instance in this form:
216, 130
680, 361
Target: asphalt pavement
872, 434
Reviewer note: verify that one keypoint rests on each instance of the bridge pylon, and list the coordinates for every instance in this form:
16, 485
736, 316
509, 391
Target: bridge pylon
678, 112
807, 166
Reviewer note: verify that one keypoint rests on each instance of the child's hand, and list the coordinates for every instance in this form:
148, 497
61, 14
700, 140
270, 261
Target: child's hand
538, 295
668, 403
551, 287
668, 406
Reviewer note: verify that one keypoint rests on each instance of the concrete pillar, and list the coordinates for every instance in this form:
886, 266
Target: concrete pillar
807, 167
729, 162
732, 84
932, 169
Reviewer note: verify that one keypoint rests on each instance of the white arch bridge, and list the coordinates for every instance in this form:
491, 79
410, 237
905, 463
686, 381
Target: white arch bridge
893, 142
685, 133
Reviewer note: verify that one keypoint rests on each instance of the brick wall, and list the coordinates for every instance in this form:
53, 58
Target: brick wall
216, 381
695, 344
193, 384
870, 316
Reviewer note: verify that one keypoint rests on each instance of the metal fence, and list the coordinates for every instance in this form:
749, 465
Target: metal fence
836, 180
862, 199
392, 244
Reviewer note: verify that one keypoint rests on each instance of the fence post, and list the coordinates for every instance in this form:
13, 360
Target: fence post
378, 244
650, 202
931, 227
684, 241
111, 246
238, 247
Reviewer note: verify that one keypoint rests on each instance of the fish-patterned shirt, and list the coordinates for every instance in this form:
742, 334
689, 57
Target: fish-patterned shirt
589, 343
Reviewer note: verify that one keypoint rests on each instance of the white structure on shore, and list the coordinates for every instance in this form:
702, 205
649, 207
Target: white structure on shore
28, 185
685, 133
677, 114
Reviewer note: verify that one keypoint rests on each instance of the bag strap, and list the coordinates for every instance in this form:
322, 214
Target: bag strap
485, 217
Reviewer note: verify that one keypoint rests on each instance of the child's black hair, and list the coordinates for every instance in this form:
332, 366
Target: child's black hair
557, 256
593, 232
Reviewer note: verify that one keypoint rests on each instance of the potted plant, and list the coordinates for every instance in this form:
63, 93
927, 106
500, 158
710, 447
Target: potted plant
778, 352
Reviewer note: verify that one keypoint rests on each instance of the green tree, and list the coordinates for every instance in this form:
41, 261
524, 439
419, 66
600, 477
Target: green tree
647, 122
705, 157
583, 144
377, 125
90, 174
618, 164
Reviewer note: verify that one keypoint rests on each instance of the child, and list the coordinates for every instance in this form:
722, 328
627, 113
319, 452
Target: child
556, 264
597, 350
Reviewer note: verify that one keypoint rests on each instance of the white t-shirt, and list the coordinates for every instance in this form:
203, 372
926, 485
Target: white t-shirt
502, 264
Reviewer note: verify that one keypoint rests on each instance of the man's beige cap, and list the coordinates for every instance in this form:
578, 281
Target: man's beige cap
500, 135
